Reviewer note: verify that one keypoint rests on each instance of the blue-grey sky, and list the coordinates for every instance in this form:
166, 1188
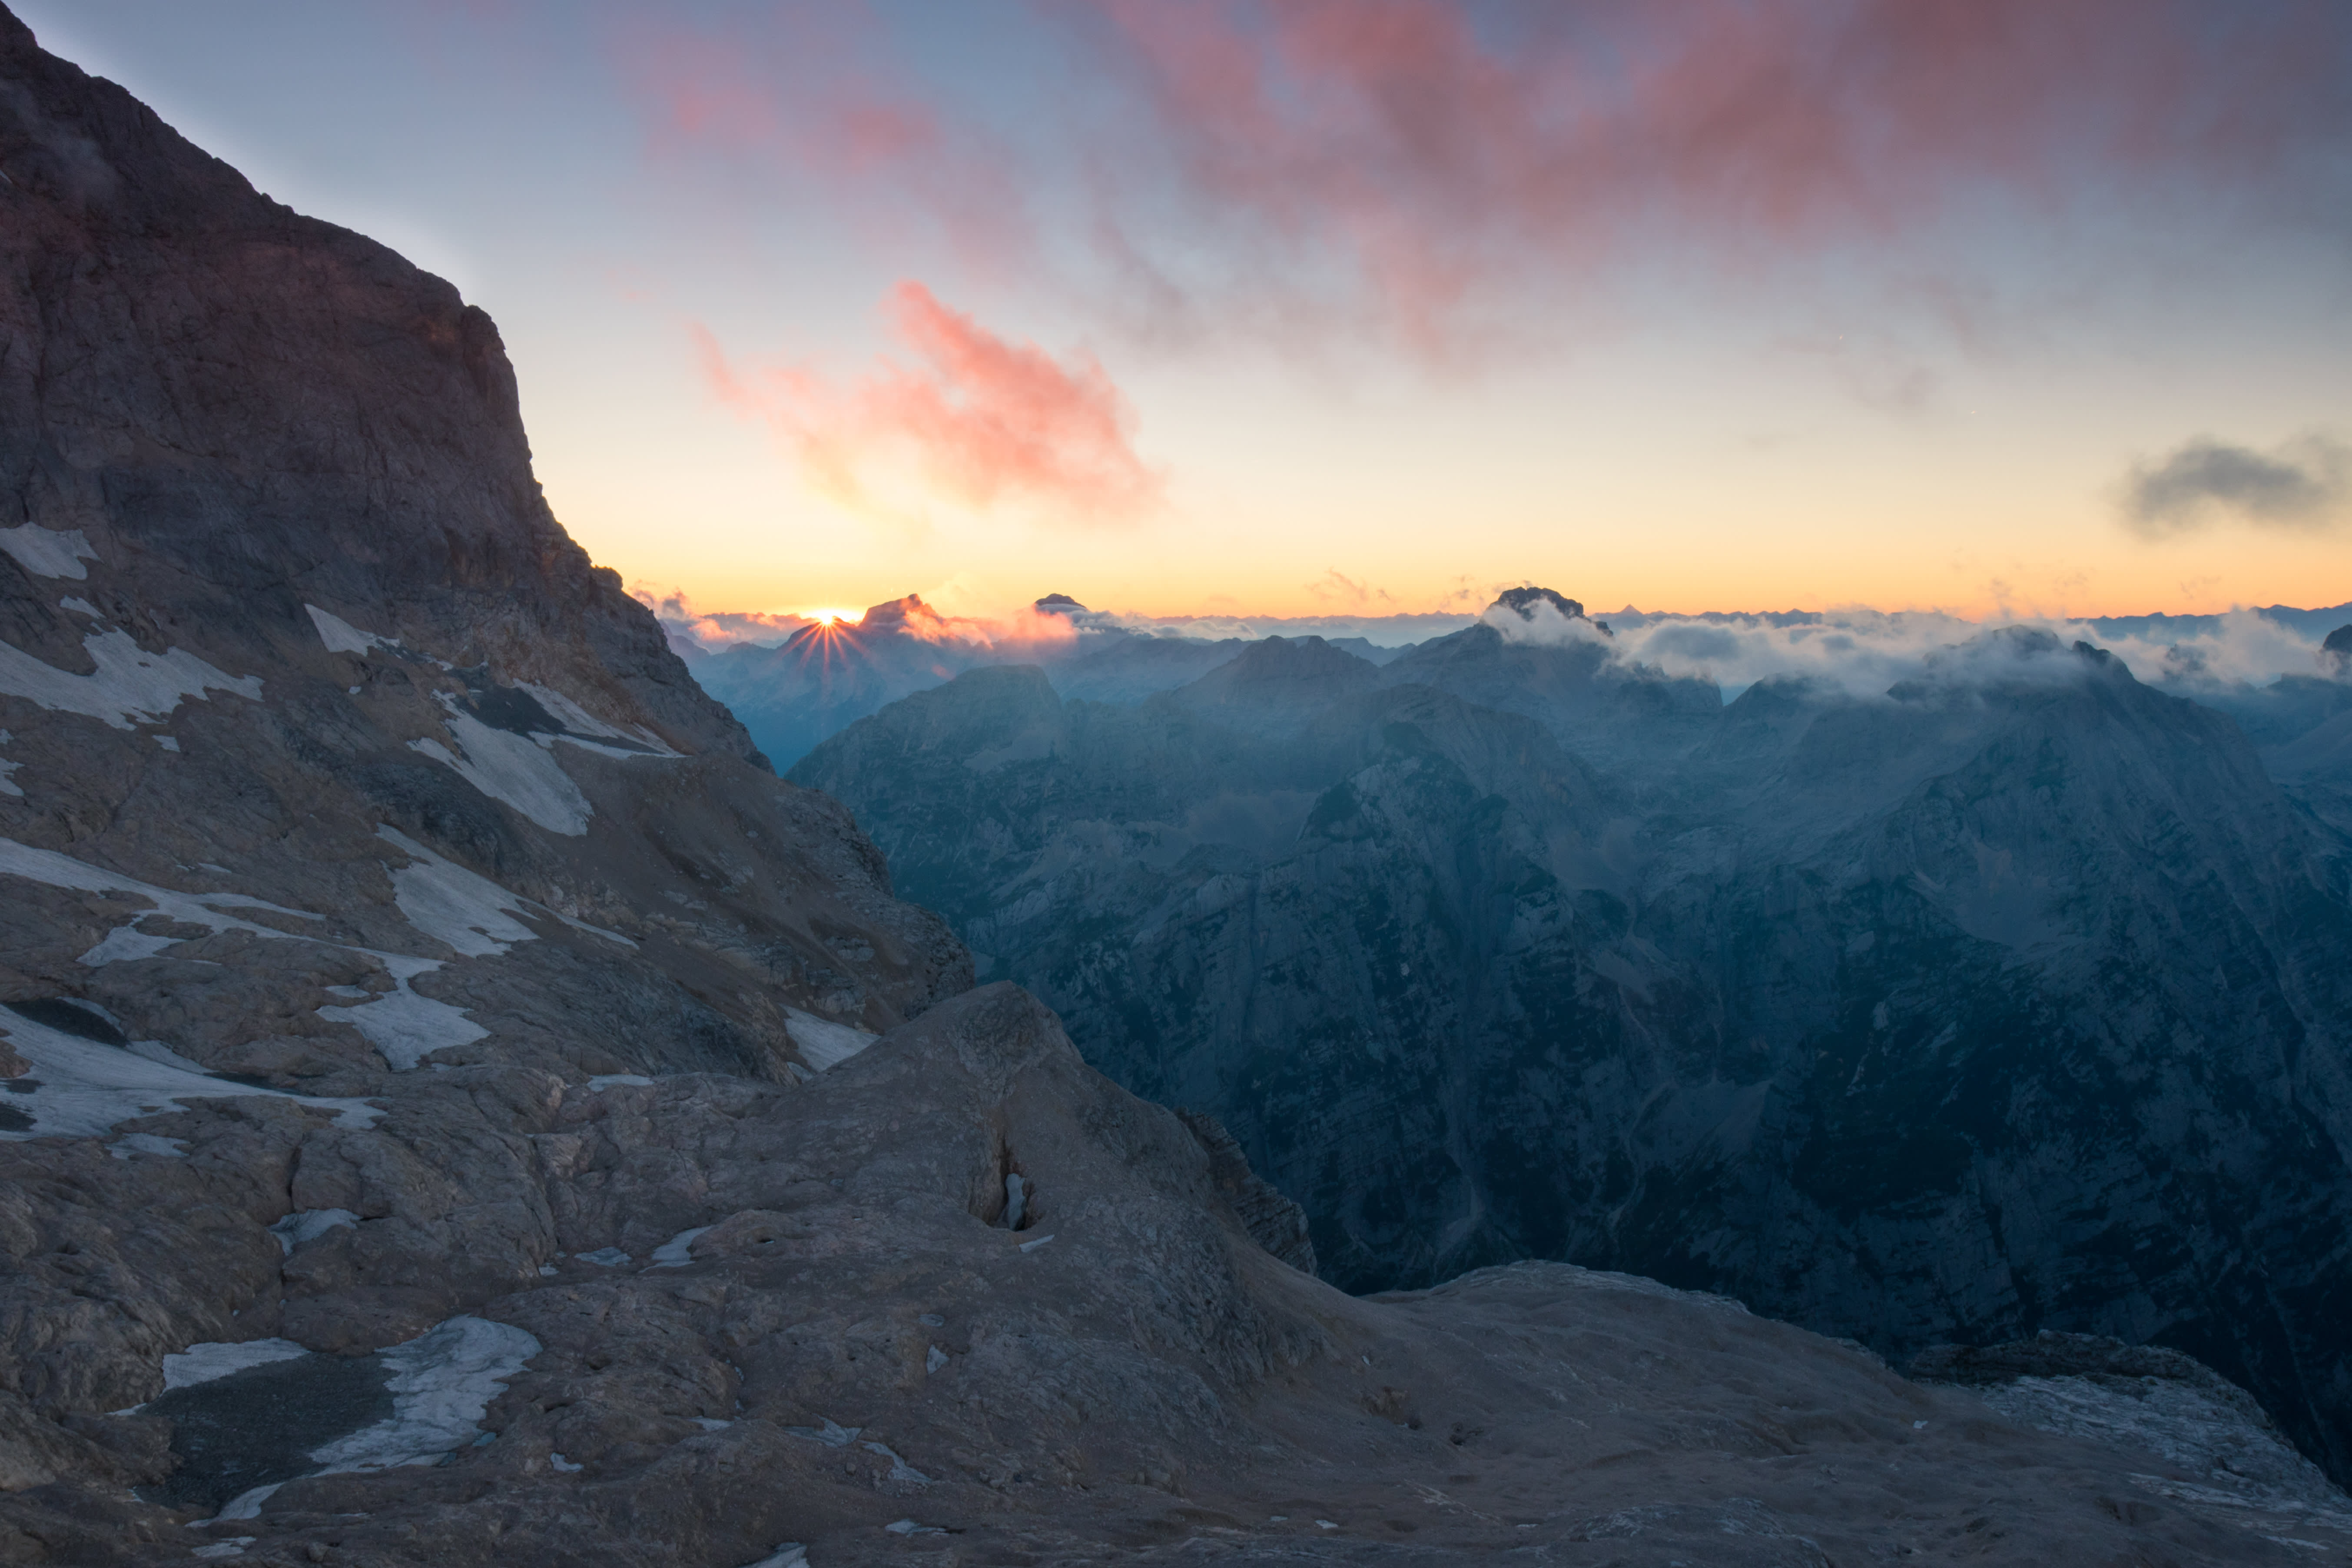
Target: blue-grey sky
1294, 305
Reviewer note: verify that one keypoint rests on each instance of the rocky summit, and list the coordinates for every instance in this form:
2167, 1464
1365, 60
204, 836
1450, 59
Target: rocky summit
460, 1108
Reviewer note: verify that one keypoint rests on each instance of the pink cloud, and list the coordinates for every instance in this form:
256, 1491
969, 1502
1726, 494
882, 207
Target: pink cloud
981, 421
1398, 165
1431, 160
793, 94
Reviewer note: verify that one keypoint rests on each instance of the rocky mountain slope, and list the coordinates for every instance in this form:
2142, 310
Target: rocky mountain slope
460, 1109
2012, 999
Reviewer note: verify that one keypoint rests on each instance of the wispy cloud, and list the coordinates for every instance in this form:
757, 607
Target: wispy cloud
1405, 167
2306, 484
1335, 589
811, 92
715, 628
981, 421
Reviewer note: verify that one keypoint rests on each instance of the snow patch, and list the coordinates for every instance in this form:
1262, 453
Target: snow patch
605, 1257
832, 1434
309, 1224
132, 1143
618, 1079
236, 1544
125, 942
441, 1383
129, 684
87, 1089
791, 1554
519, 770
49, 552
579, 722
465, 909
203, 1363
340, 636
675, 1253
824, 1045
46, 866
452, 905
245, 1505
900, 1469
404, 1026
79, 607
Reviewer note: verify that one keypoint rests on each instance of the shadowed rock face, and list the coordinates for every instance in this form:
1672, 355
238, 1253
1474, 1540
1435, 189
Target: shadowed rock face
282, 600
2012, 999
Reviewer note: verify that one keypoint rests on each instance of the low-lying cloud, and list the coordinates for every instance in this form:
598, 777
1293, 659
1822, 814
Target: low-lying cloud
2306, 484
1863, 652
713, 629
977, 420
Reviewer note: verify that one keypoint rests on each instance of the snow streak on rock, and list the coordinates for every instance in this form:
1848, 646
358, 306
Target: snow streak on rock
49, 552
441, 1383
517, 770
82, 1088
129, 686
340, 636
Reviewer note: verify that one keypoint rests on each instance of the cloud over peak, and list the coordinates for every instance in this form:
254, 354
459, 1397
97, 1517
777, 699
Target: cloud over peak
2306, 484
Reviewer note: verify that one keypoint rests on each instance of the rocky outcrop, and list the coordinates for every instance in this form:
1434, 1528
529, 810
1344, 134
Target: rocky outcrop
2226, 1449
711, 1320
1273, 1221
2010, 999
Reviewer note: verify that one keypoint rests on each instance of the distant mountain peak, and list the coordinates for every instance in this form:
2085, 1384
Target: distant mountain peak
2335, 653
1527, 603
912, 608
1059, 605
1522, 602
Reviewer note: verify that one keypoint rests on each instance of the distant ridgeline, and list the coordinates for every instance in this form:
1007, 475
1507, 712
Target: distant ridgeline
794, 693
2012, 994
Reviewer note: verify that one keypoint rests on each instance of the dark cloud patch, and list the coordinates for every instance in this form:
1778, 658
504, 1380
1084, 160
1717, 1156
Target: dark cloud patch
2306, 484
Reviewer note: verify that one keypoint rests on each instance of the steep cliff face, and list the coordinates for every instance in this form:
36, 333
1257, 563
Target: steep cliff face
288, 621
2010, 999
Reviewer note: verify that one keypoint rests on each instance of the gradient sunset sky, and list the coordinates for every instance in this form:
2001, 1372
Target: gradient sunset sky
1290, 307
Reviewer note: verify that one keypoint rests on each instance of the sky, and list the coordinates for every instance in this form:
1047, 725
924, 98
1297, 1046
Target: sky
1360, 306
